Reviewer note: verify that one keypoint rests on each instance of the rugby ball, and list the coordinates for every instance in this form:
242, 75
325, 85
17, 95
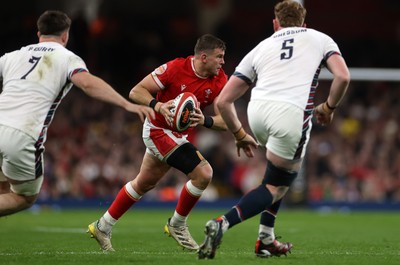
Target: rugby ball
184, 105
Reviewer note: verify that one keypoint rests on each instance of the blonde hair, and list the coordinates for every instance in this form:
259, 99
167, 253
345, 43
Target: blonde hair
290, 13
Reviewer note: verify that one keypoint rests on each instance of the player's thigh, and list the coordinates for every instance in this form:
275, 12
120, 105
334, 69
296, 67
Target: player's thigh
154, 165
290, 134
283, 128
151, 171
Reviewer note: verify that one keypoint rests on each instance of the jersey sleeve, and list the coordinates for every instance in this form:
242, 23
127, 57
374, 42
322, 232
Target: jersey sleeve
75, 65
162, 74
330, 47
245, 70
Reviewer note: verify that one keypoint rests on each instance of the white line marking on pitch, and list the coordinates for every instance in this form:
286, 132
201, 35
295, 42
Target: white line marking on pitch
59, 230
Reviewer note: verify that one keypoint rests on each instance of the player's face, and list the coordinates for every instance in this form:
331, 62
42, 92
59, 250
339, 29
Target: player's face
215, 60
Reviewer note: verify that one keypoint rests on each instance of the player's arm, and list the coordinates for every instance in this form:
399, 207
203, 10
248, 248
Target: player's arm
101, 90
219, 123
143, 92
341, 79
233, 90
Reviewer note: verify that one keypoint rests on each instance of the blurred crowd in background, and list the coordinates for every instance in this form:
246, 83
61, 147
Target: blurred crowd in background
93, 148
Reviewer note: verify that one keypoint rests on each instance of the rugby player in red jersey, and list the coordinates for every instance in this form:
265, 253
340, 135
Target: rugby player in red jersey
202, 75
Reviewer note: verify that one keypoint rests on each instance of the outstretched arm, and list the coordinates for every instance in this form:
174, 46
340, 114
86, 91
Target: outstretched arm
101, 90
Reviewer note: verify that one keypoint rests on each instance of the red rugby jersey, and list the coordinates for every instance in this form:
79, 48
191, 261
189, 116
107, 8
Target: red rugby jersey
177, 76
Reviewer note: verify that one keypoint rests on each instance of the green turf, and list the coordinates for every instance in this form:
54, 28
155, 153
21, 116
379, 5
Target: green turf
51, 237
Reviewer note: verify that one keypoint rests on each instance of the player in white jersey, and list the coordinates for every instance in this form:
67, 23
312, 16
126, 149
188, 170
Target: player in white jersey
35, 80
284, 70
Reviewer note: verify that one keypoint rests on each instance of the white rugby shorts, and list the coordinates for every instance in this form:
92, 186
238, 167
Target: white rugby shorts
20, 160
161, 142
283, 128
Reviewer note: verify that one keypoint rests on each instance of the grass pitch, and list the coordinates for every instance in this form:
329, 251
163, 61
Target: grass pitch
59, 237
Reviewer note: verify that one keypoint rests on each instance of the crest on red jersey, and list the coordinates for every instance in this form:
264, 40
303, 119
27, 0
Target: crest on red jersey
207, 92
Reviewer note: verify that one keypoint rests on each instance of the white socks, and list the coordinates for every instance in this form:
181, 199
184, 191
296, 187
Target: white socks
178, 220
266, 234
225, 224
106, 223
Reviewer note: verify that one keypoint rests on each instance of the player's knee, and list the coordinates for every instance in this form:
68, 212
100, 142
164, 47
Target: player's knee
25, 202
206, 172
30, 200
201, 176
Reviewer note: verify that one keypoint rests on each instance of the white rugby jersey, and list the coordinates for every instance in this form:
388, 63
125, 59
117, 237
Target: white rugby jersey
286, 65
35, 80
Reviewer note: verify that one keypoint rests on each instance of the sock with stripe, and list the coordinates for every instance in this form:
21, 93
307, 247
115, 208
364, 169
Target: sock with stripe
126, 197
251, 204
269, 215
187, 200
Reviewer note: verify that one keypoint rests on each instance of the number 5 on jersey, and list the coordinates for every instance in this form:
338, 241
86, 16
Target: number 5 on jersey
287, 49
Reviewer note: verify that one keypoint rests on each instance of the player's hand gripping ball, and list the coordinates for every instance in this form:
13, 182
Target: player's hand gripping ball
184, 105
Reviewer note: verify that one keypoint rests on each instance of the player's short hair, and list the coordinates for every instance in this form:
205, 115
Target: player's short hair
208, 42
290, 13
53, 22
